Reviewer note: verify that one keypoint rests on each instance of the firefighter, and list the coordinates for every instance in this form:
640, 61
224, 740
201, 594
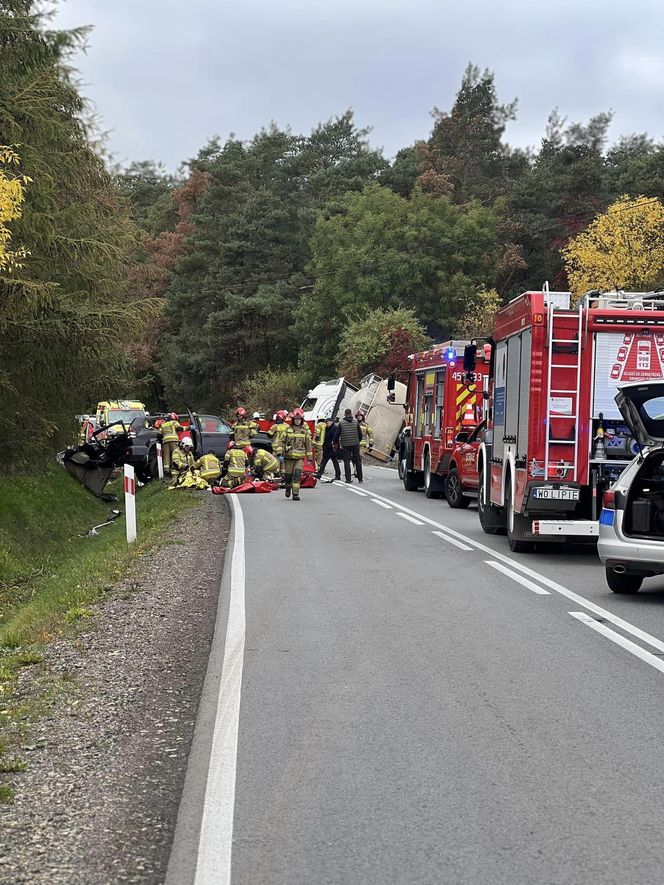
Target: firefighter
330, 450
319, 440
244, 428
236, 464
366, 443
183, 460
210, 468
264, 464
296, 443
277, 430
169, 440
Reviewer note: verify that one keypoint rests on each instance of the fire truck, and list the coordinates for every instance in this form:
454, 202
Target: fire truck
555, 439
444, 397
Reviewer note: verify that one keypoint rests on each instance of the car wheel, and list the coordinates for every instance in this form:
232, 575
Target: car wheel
516, 524
453, 492
433, 487
623, 583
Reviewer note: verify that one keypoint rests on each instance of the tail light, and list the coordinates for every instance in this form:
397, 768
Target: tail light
609, 500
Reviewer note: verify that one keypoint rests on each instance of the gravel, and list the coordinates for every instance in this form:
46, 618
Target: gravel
99, 799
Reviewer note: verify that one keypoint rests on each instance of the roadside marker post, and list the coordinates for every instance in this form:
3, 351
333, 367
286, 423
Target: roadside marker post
130, 502
160, 461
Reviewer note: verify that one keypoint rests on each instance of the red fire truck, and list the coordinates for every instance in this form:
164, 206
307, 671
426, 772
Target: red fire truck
444, 397
555, 439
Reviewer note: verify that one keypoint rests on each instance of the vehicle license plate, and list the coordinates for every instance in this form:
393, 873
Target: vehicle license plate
556, 494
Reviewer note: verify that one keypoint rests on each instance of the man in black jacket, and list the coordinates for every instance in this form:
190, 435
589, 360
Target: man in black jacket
350, 435
330, 448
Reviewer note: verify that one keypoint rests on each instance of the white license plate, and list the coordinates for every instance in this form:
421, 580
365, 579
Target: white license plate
556, 494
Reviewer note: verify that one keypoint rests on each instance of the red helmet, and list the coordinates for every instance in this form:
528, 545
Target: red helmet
173, 416
240, 413
231, 445
248, 451
283, 414
360, 414
298, 413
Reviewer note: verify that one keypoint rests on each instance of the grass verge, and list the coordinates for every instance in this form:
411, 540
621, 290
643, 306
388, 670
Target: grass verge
50, 572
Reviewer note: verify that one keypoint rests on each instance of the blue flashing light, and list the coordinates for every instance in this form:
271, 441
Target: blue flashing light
451, 355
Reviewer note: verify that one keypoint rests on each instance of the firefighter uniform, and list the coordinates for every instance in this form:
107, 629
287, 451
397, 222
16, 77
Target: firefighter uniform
367, 441
210, 467
169, 441
237, 465
265, 464
243, 430
296, 444
182, 463
276, 432
319, 440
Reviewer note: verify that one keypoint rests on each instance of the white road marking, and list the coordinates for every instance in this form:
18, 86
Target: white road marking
216, 839
552, 585
515, 576
410, 518
381, 504
451, 540
632, 647
357, 492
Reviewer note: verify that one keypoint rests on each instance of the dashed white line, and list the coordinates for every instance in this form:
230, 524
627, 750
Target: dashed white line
410, 518
515, 576
381, 504
627, 644
452, 541
358, 492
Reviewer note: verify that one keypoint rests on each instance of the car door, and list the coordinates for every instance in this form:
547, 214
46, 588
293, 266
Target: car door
210, 434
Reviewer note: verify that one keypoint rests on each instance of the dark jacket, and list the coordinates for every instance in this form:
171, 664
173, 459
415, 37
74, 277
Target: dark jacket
331, 441
350, 433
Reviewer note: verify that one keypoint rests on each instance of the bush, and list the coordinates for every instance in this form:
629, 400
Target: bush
272, 389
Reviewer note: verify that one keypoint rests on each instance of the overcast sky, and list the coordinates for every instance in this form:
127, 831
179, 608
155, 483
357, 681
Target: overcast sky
166, 75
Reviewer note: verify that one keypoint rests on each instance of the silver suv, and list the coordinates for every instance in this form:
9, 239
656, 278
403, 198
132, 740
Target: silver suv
631, 525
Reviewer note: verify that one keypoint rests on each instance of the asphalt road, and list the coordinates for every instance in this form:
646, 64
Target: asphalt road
417, 708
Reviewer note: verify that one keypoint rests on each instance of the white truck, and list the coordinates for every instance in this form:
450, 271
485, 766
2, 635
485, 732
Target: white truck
329, 399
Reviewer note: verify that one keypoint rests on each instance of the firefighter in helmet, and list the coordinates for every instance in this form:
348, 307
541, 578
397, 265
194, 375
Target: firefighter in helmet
276, 432
244, 428
209, 467
236, 465
367, 441
319, 440
169, 440
296, 444
264, 464
183, 460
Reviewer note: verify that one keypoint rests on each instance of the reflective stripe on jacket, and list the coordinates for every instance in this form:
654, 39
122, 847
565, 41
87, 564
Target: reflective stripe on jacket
169, 431
210, 466
182, 460
266, 461
297, 442
243, 432
277, 433
319, 435
367, 435
237, 462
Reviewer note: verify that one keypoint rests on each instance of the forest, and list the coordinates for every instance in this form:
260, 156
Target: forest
262, 266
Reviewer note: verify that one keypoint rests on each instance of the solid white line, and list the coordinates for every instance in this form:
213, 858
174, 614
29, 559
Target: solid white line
216, 839
552, 585
357, 492
381, 504
632, 647
517, 577
410, 518
452, 541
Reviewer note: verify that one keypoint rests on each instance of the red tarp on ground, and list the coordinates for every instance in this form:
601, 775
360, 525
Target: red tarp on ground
261, 486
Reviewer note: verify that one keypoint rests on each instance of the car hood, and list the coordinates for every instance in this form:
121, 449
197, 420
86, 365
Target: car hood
642, 406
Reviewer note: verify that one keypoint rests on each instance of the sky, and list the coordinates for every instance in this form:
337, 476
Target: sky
167, 75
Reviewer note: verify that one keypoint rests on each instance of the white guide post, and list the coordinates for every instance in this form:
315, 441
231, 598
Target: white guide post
130, 502
160, 461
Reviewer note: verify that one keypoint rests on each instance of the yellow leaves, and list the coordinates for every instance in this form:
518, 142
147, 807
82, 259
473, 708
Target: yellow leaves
12, 195
621, 249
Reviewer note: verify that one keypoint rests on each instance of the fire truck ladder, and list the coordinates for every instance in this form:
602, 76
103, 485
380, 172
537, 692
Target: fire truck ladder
571, 346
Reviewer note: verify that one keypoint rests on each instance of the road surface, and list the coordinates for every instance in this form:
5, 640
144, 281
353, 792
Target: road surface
394, 697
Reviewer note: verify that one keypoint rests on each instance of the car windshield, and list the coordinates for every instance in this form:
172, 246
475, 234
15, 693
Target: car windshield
135, 417
212, 424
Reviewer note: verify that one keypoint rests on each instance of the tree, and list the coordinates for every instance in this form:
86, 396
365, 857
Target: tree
623, 248
66, 317
387, 252
465, 157
478, 318
12, 195
380, 342
272, 389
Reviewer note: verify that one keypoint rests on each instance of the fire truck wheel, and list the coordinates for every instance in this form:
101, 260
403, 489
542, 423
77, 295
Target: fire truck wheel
433, 485
492, 521
411, 479
517, 525
623, 583
453, 493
